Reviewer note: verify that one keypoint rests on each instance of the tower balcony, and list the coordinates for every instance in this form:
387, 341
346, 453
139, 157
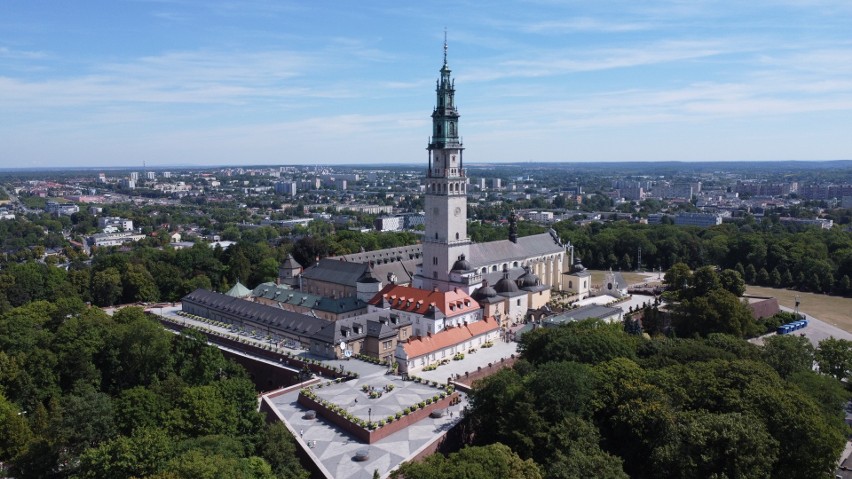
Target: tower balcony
438, 143
443, 173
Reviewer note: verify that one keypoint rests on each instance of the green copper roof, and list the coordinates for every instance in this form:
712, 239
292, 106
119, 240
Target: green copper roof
239, 291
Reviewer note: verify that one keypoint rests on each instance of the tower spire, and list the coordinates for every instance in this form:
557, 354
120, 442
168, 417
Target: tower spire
445, 46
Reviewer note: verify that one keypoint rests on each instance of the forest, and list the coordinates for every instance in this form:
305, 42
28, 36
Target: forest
87, 395
589, 400
766, 254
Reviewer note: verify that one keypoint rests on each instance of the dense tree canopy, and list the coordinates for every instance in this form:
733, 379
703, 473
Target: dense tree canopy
588, 400
766, 253
84, 394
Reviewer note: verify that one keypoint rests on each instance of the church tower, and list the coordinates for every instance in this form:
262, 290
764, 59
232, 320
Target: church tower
446, 239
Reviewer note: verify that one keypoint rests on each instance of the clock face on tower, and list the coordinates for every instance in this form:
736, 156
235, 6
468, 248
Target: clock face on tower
457, 211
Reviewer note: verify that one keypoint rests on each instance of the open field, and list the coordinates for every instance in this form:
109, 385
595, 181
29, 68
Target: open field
831, 309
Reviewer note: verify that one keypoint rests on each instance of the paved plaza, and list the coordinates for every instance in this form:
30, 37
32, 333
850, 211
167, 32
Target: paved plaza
481, 357
334, 450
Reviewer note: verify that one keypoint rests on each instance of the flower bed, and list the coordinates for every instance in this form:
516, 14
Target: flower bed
372, 432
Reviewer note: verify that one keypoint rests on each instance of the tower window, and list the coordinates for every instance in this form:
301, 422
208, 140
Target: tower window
435, 261
436, 235
457, 236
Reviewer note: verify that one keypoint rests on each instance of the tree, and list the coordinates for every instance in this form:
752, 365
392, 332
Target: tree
762, 277
202, 411
196, 464
845, 285
716, 312
775, 278
279, 449
138, 351
829, 393
589, 341
139, 285
266, 271
15, 433
732, 281
787, 278
750, 274
788, 354
678, 277
485, 462
144, 453
106, 287
565, 386
722, 445
138, 408
834, 357
704, 280
573, 452
87, 419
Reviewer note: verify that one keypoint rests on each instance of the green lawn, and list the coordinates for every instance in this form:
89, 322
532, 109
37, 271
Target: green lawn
832, 309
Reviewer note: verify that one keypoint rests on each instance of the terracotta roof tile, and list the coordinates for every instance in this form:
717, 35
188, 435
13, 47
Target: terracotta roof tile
420, 346
415, 300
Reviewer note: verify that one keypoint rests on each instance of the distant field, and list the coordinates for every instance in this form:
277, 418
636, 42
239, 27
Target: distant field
831, 309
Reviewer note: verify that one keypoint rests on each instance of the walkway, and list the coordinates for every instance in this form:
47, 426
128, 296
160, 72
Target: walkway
335, 450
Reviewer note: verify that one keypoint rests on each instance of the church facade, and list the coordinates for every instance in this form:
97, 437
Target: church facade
450, 260
520, 270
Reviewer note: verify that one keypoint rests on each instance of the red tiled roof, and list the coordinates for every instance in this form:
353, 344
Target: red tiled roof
416, 347
415, 300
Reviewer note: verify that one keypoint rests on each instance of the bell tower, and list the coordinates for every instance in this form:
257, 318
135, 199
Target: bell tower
446, 237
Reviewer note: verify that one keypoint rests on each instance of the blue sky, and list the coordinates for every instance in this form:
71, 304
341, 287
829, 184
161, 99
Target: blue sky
178, 82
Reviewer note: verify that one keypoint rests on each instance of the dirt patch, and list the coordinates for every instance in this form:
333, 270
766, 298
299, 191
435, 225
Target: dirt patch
831, 309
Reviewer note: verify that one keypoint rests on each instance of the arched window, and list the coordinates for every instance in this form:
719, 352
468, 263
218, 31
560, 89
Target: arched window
452, 129
570, 284
457, 236
436, 235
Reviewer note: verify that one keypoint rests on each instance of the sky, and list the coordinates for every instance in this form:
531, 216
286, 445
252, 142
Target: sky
108, 83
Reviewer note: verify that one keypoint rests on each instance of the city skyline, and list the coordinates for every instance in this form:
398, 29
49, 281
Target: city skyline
175, 82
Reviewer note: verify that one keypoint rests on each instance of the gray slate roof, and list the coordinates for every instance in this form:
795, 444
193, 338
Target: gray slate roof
274, 317
286, 295
335, 271
482, 254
